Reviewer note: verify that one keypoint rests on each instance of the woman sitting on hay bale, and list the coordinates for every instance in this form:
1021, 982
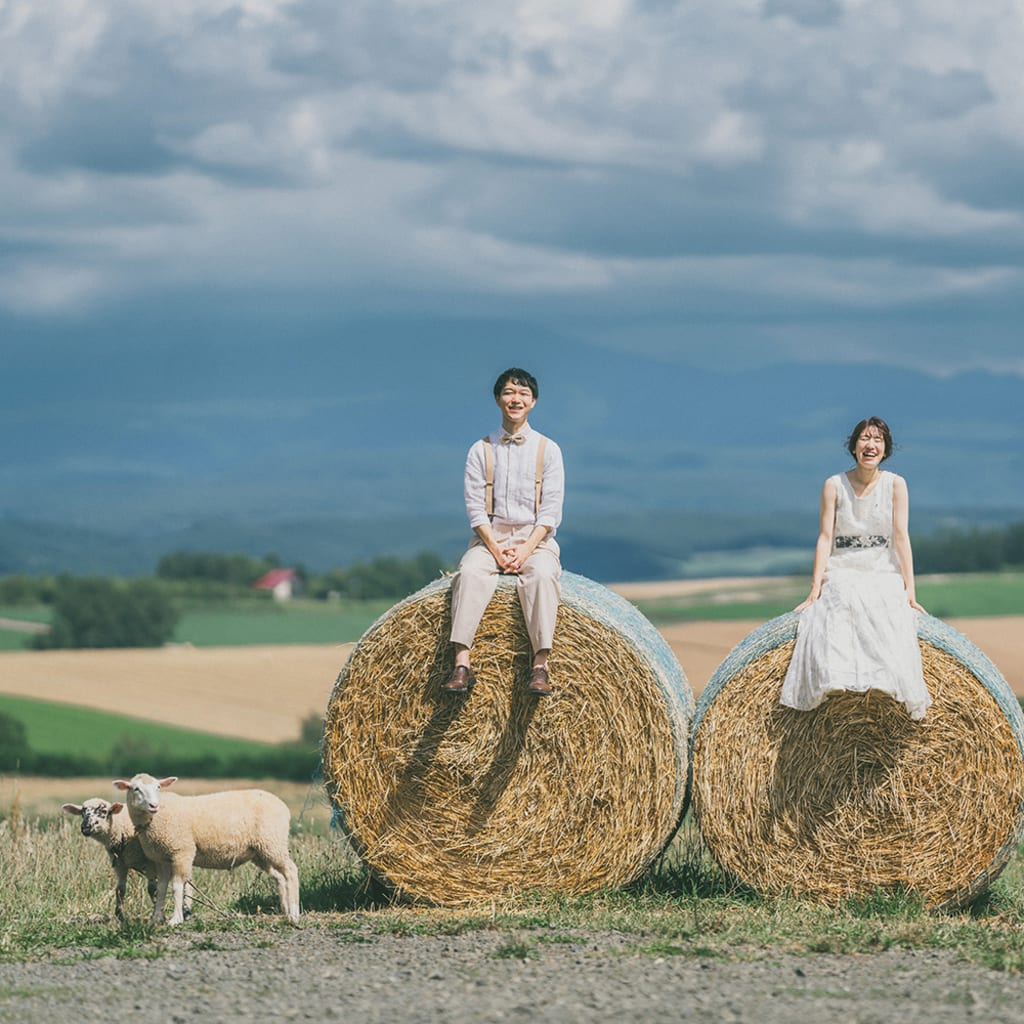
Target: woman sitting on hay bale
514, 482
857, 630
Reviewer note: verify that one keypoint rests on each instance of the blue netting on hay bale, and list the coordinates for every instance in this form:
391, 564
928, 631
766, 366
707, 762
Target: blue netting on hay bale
548, 779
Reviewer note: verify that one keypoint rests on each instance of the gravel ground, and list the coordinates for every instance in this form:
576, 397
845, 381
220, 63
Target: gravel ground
325, 974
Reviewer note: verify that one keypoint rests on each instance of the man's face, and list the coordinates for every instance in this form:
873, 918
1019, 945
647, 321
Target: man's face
515, 402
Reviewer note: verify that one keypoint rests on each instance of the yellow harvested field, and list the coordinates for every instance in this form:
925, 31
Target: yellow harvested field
256, 693
264, 693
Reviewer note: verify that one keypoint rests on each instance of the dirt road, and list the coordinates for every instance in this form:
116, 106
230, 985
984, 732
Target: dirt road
344, 973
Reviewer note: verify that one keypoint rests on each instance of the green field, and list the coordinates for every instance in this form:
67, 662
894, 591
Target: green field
65, 729
972, 594
244, 622
297, 622
15, 640
950, 596
28, 613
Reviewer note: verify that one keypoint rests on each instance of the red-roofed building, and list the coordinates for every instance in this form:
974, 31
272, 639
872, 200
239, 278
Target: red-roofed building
280, 582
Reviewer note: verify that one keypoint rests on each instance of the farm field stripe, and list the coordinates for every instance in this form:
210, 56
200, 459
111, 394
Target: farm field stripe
264, 692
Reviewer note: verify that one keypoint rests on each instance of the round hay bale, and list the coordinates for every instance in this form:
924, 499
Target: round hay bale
456, 799
854, 797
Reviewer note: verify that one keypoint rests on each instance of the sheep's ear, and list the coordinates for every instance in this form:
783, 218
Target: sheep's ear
121, 784
71, 808
116, 808
169, 781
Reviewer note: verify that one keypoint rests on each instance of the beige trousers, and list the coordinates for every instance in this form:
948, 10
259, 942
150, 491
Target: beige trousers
537, 584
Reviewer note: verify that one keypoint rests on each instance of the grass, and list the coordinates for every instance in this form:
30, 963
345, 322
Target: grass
951, 596
297, 622
16, 639
56, 903
972, 594
27, 613
242, 623
66, 729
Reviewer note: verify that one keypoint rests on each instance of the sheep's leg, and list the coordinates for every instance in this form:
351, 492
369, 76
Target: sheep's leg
178, 878
292, 874
287, 877
119, 891
186, 910
163, 878
151, 888
282, 886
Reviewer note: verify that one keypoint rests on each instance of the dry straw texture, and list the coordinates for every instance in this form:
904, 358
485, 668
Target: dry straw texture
854, 797
458, 799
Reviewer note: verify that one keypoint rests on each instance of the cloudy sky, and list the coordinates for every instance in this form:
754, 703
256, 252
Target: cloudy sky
737, 183
806, 162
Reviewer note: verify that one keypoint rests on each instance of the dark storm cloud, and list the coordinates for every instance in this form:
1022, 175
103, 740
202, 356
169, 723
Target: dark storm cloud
946, 95
790, 160
988, 176
390, 45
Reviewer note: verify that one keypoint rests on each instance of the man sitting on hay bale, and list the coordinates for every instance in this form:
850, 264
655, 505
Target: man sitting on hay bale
514, 484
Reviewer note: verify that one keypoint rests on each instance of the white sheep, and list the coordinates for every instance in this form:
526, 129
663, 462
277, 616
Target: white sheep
110, 825
215, 830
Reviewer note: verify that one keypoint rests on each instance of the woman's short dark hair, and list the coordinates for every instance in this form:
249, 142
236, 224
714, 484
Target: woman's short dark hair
871, 421
516, 376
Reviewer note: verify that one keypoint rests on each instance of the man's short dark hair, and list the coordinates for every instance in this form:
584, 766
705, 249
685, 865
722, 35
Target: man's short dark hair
515, 375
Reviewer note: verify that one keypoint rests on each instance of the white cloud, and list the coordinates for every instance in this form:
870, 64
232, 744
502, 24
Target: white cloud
43, 47
857, 182
50, 287
732, 138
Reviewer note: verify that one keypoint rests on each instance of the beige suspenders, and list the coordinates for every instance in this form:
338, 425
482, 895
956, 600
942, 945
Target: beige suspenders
538, 484
489, 477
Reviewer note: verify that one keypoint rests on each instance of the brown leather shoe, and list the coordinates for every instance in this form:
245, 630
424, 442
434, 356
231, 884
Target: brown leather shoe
539, 684
461, 680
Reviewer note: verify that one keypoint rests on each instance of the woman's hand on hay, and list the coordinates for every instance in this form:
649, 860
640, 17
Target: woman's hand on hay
809, 599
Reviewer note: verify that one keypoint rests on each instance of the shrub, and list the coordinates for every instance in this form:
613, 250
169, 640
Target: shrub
13, 742
98, 612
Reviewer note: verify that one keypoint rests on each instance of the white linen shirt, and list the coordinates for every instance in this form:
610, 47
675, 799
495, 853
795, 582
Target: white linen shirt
515, 469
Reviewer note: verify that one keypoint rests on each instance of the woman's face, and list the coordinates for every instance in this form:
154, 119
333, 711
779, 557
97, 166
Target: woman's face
870, 449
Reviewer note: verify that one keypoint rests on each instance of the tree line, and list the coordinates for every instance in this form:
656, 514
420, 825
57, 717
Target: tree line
982, 550
384, 576
99, 611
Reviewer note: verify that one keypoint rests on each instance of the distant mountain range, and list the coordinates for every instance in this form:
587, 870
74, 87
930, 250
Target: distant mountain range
658, 546
350, 441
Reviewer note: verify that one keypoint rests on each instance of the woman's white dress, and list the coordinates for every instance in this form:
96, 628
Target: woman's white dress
861, 633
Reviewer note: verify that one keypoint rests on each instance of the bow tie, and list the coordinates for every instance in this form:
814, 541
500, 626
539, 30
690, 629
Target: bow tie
513, 439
